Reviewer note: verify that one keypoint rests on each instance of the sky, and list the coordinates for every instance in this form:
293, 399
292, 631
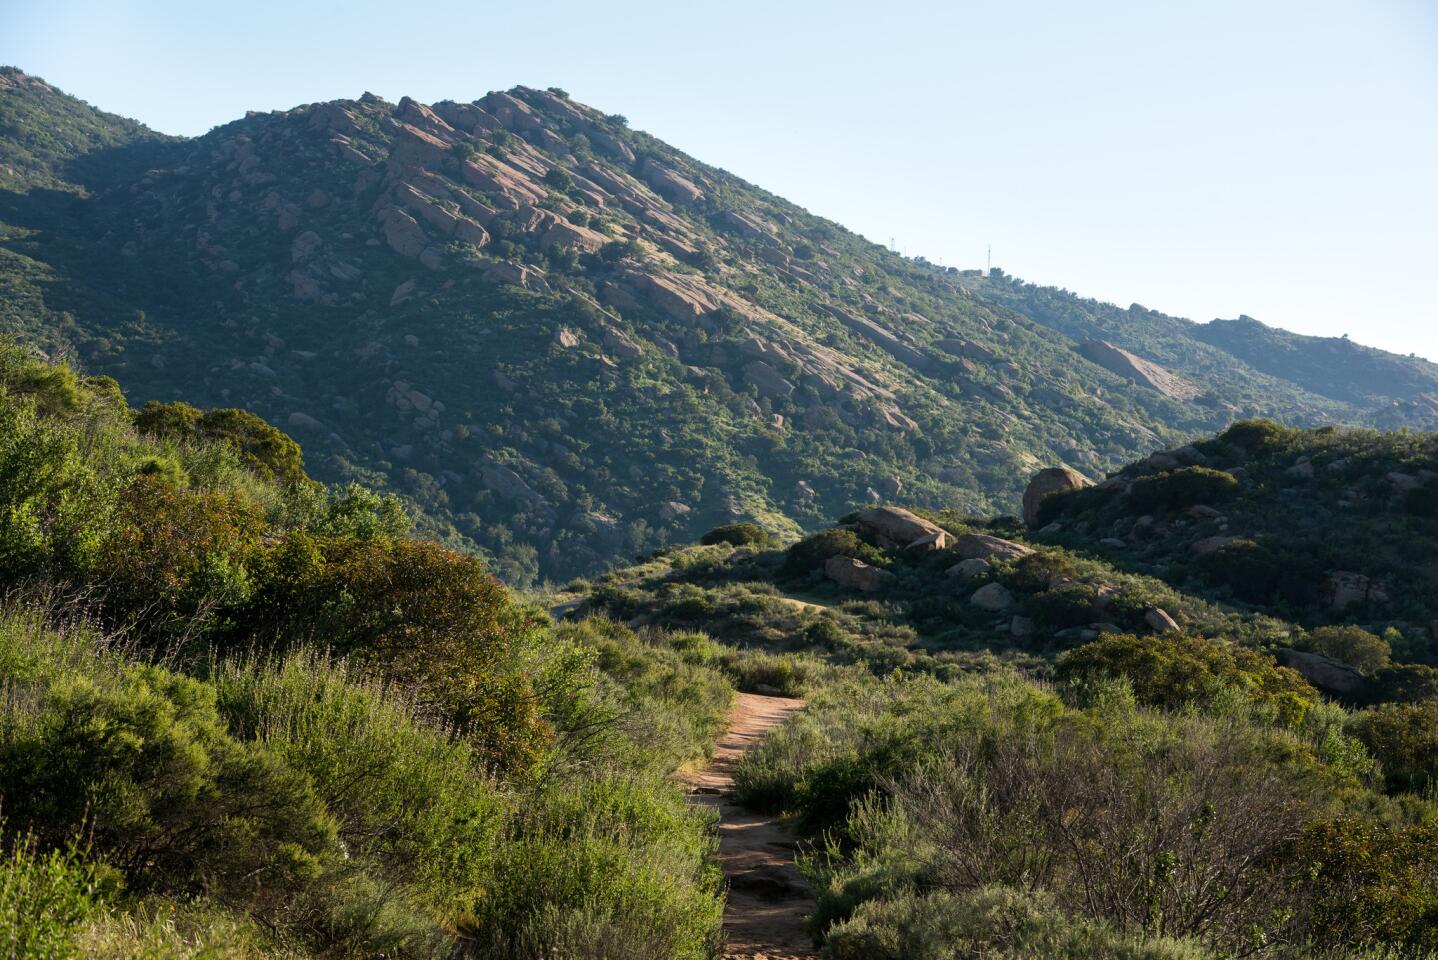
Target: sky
1209, 159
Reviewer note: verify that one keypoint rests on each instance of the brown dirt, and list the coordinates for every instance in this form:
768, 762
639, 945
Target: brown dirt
768, 897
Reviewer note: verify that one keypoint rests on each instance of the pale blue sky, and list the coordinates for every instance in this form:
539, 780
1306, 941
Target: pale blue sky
1278, 159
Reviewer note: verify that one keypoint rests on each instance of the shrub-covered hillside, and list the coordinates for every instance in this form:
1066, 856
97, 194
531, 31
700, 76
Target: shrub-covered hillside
1319, 526
247, 716
1048, 751
563, 341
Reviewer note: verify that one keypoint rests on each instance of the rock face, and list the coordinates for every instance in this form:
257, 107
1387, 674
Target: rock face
1344, 588
1047, 482
1212, 544
895, 527
1160, 621
968, 569
981, 546
856, 574
1333, 676
1120, 361
930, 543
992, 596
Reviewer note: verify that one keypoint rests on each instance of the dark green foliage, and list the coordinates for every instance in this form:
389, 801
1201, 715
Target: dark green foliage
143, 767
1173, 670
262, 448
45, 899
1181, 488
811, 552
737, 534
1404, 683
1372, 882
1403, 737
1257, 437
1353, 645
998, 923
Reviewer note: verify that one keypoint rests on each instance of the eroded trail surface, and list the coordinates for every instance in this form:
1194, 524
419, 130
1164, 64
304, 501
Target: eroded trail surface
768, 897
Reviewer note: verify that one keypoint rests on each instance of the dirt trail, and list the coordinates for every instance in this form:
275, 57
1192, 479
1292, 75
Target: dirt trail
768, 898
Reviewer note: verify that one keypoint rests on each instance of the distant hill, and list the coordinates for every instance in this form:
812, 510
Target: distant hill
565, 342
1303, 544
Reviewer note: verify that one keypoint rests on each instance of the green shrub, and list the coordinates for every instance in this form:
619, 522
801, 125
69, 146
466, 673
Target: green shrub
1371, 883
179, 554
612, 868
1403, 737
1257, 437
54, 508
811, 552
1039, 570
410, 800
659, 690
414, 612
268, 451
1353, 645
46, 898
1067, 605
996, 923
736, 534
1259, 574
1174, 670
1403, 683
1182, 488
143, 765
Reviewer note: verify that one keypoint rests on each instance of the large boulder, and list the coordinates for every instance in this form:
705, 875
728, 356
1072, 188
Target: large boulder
1048, 482
1344, 588
1159, 620
1130, 366
970, 569
895, 527
992, 596
1325, 673
981, 546
856, 574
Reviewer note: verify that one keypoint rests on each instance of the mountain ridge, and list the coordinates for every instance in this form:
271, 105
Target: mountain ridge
565, 342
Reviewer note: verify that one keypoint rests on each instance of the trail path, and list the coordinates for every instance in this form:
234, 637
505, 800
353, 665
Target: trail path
768, 897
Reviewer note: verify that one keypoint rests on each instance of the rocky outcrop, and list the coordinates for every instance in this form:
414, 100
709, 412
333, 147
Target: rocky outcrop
402, 232
965, 348
1119, 361
1344, 588
1325, 673
856, 574
893, 527
994, 597
981, 546
508, 484
895, 345
1159, 621
670, 185
767, 380
970, 569
1212, 544
518, 274
1046, 483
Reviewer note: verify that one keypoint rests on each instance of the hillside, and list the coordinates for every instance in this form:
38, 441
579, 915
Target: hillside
564, 342
253, 718
1261, 535
1074, 719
